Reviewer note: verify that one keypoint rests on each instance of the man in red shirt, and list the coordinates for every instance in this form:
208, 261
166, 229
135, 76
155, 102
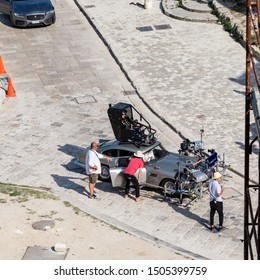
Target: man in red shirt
135, 163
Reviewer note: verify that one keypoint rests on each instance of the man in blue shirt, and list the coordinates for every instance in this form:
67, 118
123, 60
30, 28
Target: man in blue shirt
216, 201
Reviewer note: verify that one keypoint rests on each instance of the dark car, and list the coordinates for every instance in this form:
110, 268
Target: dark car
25, 13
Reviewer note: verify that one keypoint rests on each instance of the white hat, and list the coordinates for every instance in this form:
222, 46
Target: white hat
217, 175
139, 154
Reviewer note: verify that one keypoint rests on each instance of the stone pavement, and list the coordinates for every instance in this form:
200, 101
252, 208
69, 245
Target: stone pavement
190, 75
175, 66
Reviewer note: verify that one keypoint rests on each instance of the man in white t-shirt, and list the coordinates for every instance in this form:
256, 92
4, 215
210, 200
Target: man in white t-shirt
216, 201
93, 166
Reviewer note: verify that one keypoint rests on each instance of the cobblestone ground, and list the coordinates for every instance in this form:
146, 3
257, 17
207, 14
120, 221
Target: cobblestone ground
192, 74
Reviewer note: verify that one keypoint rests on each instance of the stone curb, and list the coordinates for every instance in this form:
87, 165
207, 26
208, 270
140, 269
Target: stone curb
196, 6
172, 9
238, 30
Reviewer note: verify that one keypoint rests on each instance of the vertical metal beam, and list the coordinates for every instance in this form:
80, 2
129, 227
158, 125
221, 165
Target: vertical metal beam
258, 212
251, 212
247, 128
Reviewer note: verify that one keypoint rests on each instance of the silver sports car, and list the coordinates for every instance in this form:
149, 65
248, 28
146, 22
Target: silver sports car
160, 168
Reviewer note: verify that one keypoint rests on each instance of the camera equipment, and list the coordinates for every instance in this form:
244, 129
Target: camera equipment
129, 125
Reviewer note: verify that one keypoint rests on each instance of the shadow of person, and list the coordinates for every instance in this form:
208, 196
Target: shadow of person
107, 187
78, 184
188, 214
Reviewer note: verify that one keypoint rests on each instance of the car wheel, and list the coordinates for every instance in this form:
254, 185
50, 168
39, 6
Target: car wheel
12, 19
197, 190
168, 186
105, 174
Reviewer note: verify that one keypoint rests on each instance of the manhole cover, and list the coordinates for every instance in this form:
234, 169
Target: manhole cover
144, 28
162, 26
43, 225
85, 99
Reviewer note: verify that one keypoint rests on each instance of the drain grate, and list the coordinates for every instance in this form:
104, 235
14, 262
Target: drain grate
89, 6
57, 124
128, 92
144, 28
162, 26
201, 116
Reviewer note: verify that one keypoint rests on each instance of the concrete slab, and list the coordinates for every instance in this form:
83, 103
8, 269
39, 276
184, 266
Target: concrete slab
43, 253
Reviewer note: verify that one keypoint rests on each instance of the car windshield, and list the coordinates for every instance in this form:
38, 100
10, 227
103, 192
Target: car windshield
155, 153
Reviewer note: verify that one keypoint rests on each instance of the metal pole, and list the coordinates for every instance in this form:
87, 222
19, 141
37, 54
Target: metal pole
247, 128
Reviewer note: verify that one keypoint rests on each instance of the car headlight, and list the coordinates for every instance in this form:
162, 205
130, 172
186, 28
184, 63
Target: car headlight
18, 15
50, 12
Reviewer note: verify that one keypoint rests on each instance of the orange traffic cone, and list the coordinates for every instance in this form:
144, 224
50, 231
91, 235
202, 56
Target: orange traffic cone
2, 68
10, 90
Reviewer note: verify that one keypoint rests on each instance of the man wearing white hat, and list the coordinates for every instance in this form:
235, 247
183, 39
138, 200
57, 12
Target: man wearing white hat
135, 163
216, 201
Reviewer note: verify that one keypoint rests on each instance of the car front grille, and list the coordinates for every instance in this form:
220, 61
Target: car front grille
35, 17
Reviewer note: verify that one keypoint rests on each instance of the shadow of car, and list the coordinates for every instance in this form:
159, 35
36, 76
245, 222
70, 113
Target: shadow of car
25, 13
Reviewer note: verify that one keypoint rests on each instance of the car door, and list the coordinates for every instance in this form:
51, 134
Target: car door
117, 176
5, 6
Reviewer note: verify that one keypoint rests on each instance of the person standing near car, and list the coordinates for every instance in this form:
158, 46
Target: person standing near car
216, 201
136, 163
93, 167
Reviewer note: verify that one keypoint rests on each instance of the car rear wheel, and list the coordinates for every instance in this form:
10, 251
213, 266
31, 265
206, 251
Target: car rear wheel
105, 174
168, 186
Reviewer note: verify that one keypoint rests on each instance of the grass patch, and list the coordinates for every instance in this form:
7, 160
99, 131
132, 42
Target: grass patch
24, 193
76, 210
228, 26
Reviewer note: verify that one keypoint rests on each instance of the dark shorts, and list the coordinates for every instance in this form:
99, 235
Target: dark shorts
93, 178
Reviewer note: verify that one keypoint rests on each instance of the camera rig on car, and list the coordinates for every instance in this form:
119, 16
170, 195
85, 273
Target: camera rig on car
194, 178
130, 126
